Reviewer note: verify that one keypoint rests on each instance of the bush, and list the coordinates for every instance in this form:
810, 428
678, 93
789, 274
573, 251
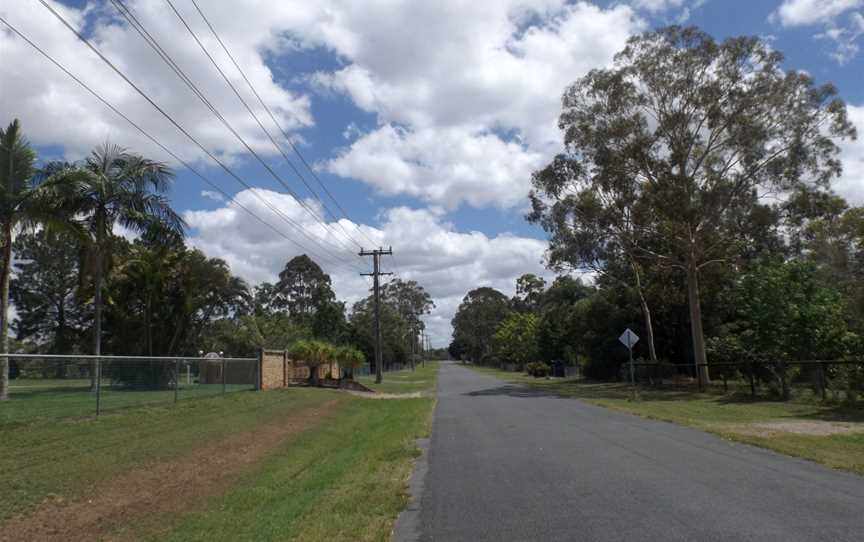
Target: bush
537, 369
606, 368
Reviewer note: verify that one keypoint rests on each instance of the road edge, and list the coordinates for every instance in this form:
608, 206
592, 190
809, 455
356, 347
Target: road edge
407, 525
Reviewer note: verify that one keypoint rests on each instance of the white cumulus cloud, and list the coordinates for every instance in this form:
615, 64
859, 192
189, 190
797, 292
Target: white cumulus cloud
427, 249
472, 77
807, 12
54, 110
851, 183
841, 22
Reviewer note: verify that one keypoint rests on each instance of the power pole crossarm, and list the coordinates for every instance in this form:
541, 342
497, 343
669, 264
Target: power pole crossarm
375, 274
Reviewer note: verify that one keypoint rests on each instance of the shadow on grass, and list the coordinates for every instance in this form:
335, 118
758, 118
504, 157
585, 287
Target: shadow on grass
615, 391
839, 413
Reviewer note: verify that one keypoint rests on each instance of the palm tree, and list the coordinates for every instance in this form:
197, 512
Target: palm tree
349, 357
313, 354
113, 187
20, 208
149, 270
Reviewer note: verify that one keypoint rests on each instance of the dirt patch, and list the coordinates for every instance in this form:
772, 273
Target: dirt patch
168, 487
819, 428
414, 395
811, 427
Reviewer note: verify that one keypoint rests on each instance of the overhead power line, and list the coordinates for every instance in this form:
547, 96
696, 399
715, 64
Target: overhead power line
228, 170
138, 26
155, 141
279, 126
260, 124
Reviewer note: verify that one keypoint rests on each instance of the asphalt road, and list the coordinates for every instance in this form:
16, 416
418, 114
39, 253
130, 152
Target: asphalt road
507, 463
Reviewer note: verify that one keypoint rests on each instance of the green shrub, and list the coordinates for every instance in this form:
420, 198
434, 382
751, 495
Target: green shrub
537, 369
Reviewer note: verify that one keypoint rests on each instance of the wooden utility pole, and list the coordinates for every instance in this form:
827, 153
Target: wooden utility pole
413, 347
376, 272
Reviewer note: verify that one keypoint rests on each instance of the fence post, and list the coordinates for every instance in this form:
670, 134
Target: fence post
176, 379
725, 384
259, 369
98, 386
223, 375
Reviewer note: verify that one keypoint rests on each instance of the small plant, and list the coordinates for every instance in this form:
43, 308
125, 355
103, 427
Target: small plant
537, 369
350, 358
314, 354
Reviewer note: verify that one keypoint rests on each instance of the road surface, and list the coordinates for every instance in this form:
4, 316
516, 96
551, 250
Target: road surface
509, 463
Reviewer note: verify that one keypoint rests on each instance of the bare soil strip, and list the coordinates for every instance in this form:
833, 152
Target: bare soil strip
168, 487
378, 395
811, 427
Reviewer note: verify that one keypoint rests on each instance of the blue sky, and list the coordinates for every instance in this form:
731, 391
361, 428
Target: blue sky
424, 120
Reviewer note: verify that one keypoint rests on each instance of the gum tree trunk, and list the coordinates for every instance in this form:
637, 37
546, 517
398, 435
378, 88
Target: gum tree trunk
649, 327
646, 313
700, 359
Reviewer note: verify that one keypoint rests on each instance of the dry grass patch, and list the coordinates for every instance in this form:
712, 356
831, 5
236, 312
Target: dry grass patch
173, 486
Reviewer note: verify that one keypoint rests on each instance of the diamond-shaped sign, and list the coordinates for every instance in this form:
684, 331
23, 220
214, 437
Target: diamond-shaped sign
628, 338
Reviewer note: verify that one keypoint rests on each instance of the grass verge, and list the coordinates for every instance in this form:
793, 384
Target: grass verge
64, 459
421, 379
340, 475
829, 434
344, 480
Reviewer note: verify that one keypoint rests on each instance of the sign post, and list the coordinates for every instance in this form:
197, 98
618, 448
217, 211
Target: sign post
629, 339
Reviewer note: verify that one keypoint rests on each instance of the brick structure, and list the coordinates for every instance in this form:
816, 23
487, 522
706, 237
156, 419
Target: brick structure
273, 369
277, 370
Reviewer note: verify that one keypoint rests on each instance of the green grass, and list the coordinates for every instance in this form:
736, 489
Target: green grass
64, 458
339, 477
422, 379
734, 416
31, 399
342, 480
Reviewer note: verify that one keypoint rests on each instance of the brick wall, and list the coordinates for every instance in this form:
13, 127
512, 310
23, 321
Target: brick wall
278, 371
273, 369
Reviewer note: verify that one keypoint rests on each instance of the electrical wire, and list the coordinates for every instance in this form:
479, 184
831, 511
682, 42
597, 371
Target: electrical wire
154, 140
136, 24
279, 126
183, 130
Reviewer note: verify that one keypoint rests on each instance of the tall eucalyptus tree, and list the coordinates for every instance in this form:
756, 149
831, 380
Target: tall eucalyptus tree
701, 131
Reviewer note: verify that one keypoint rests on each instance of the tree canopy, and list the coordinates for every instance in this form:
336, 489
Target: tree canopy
677, 143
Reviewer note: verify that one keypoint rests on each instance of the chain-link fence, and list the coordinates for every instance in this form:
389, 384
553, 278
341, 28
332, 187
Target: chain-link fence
67, 385
822, 379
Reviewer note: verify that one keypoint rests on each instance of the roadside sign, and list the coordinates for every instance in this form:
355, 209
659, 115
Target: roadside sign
628, 338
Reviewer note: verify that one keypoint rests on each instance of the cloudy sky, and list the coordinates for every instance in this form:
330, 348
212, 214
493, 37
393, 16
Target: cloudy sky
422, 120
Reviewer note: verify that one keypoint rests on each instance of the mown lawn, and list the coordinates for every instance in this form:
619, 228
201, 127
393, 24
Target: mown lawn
343, 480
65, 457
421, 379
734, 416
339, 474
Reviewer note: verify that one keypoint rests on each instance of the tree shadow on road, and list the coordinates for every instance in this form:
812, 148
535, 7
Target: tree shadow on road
513, 391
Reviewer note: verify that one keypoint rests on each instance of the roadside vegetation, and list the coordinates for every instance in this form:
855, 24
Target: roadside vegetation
421, 380
831, 434
691, 202
304, 464
308, 464
79, 287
